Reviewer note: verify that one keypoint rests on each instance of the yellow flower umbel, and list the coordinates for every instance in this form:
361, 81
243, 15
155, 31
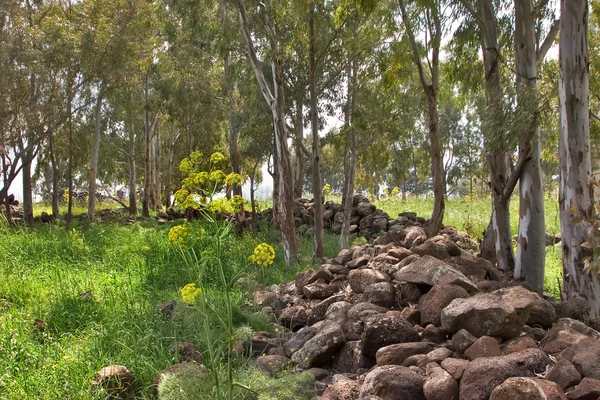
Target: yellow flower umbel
178, 234
189, 293
263, 255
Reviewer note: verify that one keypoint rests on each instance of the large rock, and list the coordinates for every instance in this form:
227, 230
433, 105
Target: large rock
528, 389
433, 302
501, 313
359, 279
484, 374
318, 350
455, 367
392, 382
485, 346
430, 271
587, 358
365, 208
564, 374
385, 329
430, 248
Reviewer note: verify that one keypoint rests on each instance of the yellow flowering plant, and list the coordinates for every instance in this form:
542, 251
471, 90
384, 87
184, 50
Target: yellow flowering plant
189, 293
178, 234
263, 255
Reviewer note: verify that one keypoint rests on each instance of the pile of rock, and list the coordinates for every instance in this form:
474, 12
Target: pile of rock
408, 317
367, 221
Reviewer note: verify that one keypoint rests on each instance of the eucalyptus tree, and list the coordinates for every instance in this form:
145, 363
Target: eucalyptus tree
274, 96
529, 51
430, 80
576, 198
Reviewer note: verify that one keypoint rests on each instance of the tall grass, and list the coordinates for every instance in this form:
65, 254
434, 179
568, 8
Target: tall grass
129, 271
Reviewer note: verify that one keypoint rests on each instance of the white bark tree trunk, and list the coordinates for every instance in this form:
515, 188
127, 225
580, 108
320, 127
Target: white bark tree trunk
314, 121
531, 248
575, 199
351, 158
94, 161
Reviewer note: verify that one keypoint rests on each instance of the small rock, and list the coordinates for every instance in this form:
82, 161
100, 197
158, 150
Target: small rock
382, 294
485, 346
350, 358
167, 308
117, 380
440, 354
519, 344
439, 384
455, 367
462, 340
319, 350
188, 352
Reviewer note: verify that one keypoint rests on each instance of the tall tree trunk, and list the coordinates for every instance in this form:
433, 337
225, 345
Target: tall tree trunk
54, 167
233, 129
299, 152
531, 247
575, 200
431, 87
132, 167
275, 100
94, 162
148, 178
496, 154
27, 186
156, 166
70, 165
351, 156
314, 121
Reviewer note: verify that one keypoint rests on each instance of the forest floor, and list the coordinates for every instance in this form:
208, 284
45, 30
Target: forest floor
98, 287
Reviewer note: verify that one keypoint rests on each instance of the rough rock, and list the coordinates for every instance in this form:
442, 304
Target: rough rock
272, 364
360, 279
528, 389
350, 358
342, 389
294, 317
542, 313
430, 271
433, 302
431, 248
455, 367
318, 350
484, 374
462, 340
502, 313
383, 330
564, 374
391, 382
485, 346
588, 389
439, 384
382, 294
587, 358
396, 354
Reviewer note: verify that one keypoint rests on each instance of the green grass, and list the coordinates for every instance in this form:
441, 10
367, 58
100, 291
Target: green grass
129, 270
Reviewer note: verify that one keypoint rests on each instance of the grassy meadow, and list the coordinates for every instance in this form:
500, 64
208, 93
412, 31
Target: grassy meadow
98, 287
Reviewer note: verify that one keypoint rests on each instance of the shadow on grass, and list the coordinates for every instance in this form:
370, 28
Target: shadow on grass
70, 314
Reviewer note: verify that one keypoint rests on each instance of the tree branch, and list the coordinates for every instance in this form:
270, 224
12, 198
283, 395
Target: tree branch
548, 41
413, 43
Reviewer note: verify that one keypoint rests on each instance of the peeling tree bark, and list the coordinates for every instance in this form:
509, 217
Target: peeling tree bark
314, 121
351, 157
531, 247
575, 199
